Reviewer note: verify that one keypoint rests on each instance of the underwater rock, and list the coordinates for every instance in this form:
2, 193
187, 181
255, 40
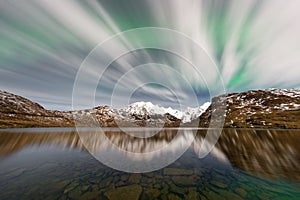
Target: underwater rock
175, 171
219, 184
192, 194
135, 178
131, 192
173, 197
152, 193
184, 180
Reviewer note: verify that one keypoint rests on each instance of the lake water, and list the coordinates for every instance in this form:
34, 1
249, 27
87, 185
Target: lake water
60, 163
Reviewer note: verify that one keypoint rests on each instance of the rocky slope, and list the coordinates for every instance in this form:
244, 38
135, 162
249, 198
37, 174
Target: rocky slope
16, 111
271, 108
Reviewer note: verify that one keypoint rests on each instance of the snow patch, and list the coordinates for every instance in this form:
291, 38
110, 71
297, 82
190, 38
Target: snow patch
286, 92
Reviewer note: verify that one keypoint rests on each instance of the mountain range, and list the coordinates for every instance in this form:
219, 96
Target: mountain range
270, 108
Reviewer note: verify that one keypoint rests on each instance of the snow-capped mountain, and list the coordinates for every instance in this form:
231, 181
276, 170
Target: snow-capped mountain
144, 110
270, 108
193, 113
16, 111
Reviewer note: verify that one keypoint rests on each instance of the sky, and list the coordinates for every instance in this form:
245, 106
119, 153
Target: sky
77, 54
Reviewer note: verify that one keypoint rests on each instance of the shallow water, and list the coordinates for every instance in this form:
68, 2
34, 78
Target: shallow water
64, 164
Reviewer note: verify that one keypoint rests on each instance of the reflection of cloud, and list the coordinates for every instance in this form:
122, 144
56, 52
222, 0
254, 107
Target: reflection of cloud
200, 144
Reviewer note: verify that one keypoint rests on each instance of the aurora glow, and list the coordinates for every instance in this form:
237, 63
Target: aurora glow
255, 44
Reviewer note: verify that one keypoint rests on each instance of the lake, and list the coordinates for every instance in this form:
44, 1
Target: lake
141, 163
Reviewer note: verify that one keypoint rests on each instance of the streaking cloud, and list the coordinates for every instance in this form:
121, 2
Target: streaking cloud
254, 44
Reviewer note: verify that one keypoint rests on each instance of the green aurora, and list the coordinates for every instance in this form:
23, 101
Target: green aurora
254, 45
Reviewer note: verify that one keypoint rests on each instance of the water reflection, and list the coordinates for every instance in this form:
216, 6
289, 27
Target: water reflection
274, 153
270, 153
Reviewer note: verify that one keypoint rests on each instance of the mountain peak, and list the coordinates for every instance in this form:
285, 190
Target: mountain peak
142, 103
146, 109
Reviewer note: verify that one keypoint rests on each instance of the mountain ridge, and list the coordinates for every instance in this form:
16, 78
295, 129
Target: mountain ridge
18, 112
269, 108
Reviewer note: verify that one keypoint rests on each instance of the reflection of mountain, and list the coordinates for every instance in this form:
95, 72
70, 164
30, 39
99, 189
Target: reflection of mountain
262, 152
12, 142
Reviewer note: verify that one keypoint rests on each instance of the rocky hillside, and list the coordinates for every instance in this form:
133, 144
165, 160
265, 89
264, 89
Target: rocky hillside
16, 111
271, 108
